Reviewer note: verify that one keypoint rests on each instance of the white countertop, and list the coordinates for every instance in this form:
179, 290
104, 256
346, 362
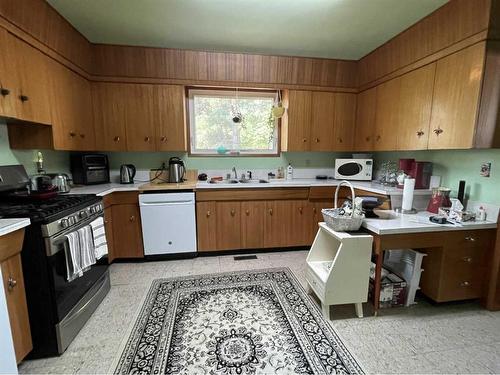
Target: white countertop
370, 186
419, 223
10, 225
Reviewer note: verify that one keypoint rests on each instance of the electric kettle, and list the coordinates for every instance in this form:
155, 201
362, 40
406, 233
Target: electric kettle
176, 170
127, 174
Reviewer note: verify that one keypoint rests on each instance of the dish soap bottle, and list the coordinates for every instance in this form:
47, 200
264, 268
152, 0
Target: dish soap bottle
289, 172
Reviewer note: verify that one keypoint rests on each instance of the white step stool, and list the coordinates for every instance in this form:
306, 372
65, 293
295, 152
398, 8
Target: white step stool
338, 268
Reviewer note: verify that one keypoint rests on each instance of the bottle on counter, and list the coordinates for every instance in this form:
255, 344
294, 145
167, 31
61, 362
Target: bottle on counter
281, 172
481, 214
289, 172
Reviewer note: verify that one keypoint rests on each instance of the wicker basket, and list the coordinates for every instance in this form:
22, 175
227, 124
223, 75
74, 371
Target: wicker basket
342, 223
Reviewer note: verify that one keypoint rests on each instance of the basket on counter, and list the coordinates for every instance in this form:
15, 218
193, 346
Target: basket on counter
339, 222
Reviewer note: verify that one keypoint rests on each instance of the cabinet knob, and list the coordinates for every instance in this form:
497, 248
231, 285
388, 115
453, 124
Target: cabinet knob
465, 283
82, 135
367, 139
23, 98
470, 239
340, 139
146, 139
420, 133
316, 140
117, 139
314, 210
467, 259
378, 138
233, 212
304, 140
247, 212
271, 211
208, 213
72, 134
11, 283
132, 218
300, 210
4, 91
438, 131
163, 139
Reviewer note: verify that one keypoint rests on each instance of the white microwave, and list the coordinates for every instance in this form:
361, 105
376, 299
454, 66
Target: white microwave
354, 169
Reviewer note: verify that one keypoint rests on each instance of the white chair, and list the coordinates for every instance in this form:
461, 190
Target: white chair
338, 268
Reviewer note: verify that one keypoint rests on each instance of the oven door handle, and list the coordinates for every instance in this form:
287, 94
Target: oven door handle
52, 243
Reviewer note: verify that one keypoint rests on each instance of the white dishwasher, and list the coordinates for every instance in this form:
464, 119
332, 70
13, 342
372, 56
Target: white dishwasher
168, 223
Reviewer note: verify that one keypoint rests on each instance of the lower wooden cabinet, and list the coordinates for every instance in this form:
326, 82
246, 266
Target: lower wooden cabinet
252, 224
122, 220
206, 226
13, 285
228, 230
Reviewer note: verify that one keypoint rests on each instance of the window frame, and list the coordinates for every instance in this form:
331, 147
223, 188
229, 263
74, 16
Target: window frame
229, 91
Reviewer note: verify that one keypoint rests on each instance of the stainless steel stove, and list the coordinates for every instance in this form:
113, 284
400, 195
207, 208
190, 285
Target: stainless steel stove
58, 309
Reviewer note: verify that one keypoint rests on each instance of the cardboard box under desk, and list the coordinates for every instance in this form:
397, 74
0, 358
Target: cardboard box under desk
392, 291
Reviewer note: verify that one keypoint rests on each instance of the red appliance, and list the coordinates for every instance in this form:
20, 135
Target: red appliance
440, 198
421, 171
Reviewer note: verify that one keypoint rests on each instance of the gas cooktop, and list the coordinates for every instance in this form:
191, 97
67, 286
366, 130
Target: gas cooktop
44, 210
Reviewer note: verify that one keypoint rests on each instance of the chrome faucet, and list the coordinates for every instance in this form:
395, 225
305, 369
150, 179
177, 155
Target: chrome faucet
235, 173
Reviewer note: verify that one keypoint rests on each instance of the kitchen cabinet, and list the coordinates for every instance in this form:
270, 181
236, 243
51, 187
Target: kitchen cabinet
386, 115
344, 120
365, 120
127, 233
71, 110
171, 124
300, 219
322, 122
108, 228
414, 108
228, 218
206, 226
298, 121
13, 285
141, 116
252, 224
278, 223
455, 101
8, 77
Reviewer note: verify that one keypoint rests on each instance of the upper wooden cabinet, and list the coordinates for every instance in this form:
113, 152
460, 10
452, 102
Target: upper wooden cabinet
8, 77
318, 121
456, 98
139, 117
365, 120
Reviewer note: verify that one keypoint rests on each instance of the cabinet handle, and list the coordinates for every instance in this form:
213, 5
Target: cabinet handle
11, 283
314, 209
146, 139
367, 139
317, 140
163, 139
271, 211
4, 91
420, 133
465, 283
247, 212
438, 131
304, 140
208, 213
378, 138
82, 135
23, 98
233, 212
300, 210
470, 239
340, 139
117, 139
132, 218
72, 134
467, 259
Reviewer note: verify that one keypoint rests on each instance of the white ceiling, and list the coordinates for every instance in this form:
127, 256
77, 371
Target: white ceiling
343, 29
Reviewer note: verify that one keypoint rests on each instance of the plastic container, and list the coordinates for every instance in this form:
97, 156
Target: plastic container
289, 172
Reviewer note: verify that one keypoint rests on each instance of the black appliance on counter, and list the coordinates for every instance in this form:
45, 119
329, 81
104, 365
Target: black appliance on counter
89, 169
58, 309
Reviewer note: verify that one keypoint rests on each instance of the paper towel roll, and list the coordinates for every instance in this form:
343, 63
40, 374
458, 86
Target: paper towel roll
408, 188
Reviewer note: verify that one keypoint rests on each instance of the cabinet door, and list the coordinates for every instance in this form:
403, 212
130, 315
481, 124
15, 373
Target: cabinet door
13, 284
127, 233
206, 226
108, 227
299, 223
386, 117
8, 76
415, 108
228, 215
252, 224
299, 120
71, 110
171, 125
322, 121
277, 223
317, 216
344, 118
109, 116
365, 120
141, 116
456, 98
32, 99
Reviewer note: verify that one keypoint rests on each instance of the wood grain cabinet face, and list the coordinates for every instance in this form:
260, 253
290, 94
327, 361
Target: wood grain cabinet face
300, 223
344, 119
171, 125
277, 223
206, 226
13, 284
9, 82
108, 227
228, 216
127, 231
252, 224
456, 98
386, 116
299, 120
365, 120
322, 121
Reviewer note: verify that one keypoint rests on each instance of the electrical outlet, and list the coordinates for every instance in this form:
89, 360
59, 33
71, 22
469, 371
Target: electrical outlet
485, 169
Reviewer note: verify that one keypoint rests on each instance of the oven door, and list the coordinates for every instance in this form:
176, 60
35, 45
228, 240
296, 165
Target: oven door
68, 294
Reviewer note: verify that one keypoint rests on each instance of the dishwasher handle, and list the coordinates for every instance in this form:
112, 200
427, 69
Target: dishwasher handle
166, 203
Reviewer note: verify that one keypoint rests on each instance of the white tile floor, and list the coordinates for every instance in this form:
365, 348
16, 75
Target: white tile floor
452, 338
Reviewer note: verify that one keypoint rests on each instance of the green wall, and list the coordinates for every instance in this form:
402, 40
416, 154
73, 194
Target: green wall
452, 165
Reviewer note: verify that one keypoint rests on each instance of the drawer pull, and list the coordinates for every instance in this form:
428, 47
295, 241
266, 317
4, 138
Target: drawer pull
314, 210
208, 213
163, 139
300, 210
23, 98
72, 134
247, 212
467, 259
271, 211
317, 140
465, 283
117, 139
4, 91
438, 131
82, 135
470, 239
420, 133
11, 283
146, 139
233, 212
304, 140
132, 218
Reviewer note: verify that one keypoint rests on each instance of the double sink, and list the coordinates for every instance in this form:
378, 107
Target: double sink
241, 181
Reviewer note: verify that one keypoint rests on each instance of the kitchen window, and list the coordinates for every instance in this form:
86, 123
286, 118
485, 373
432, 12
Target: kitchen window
232, 122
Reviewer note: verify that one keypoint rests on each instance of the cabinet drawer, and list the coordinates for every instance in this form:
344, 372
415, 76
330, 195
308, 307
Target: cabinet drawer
472, 239
316, 284
464, 283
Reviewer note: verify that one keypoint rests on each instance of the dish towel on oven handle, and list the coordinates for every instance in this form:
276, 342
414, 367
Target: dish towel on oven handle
99, 235
79, 251
87, 249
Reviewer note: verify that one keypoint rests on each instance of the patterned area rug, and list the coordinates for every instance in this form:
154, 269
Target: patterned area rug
250, 322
